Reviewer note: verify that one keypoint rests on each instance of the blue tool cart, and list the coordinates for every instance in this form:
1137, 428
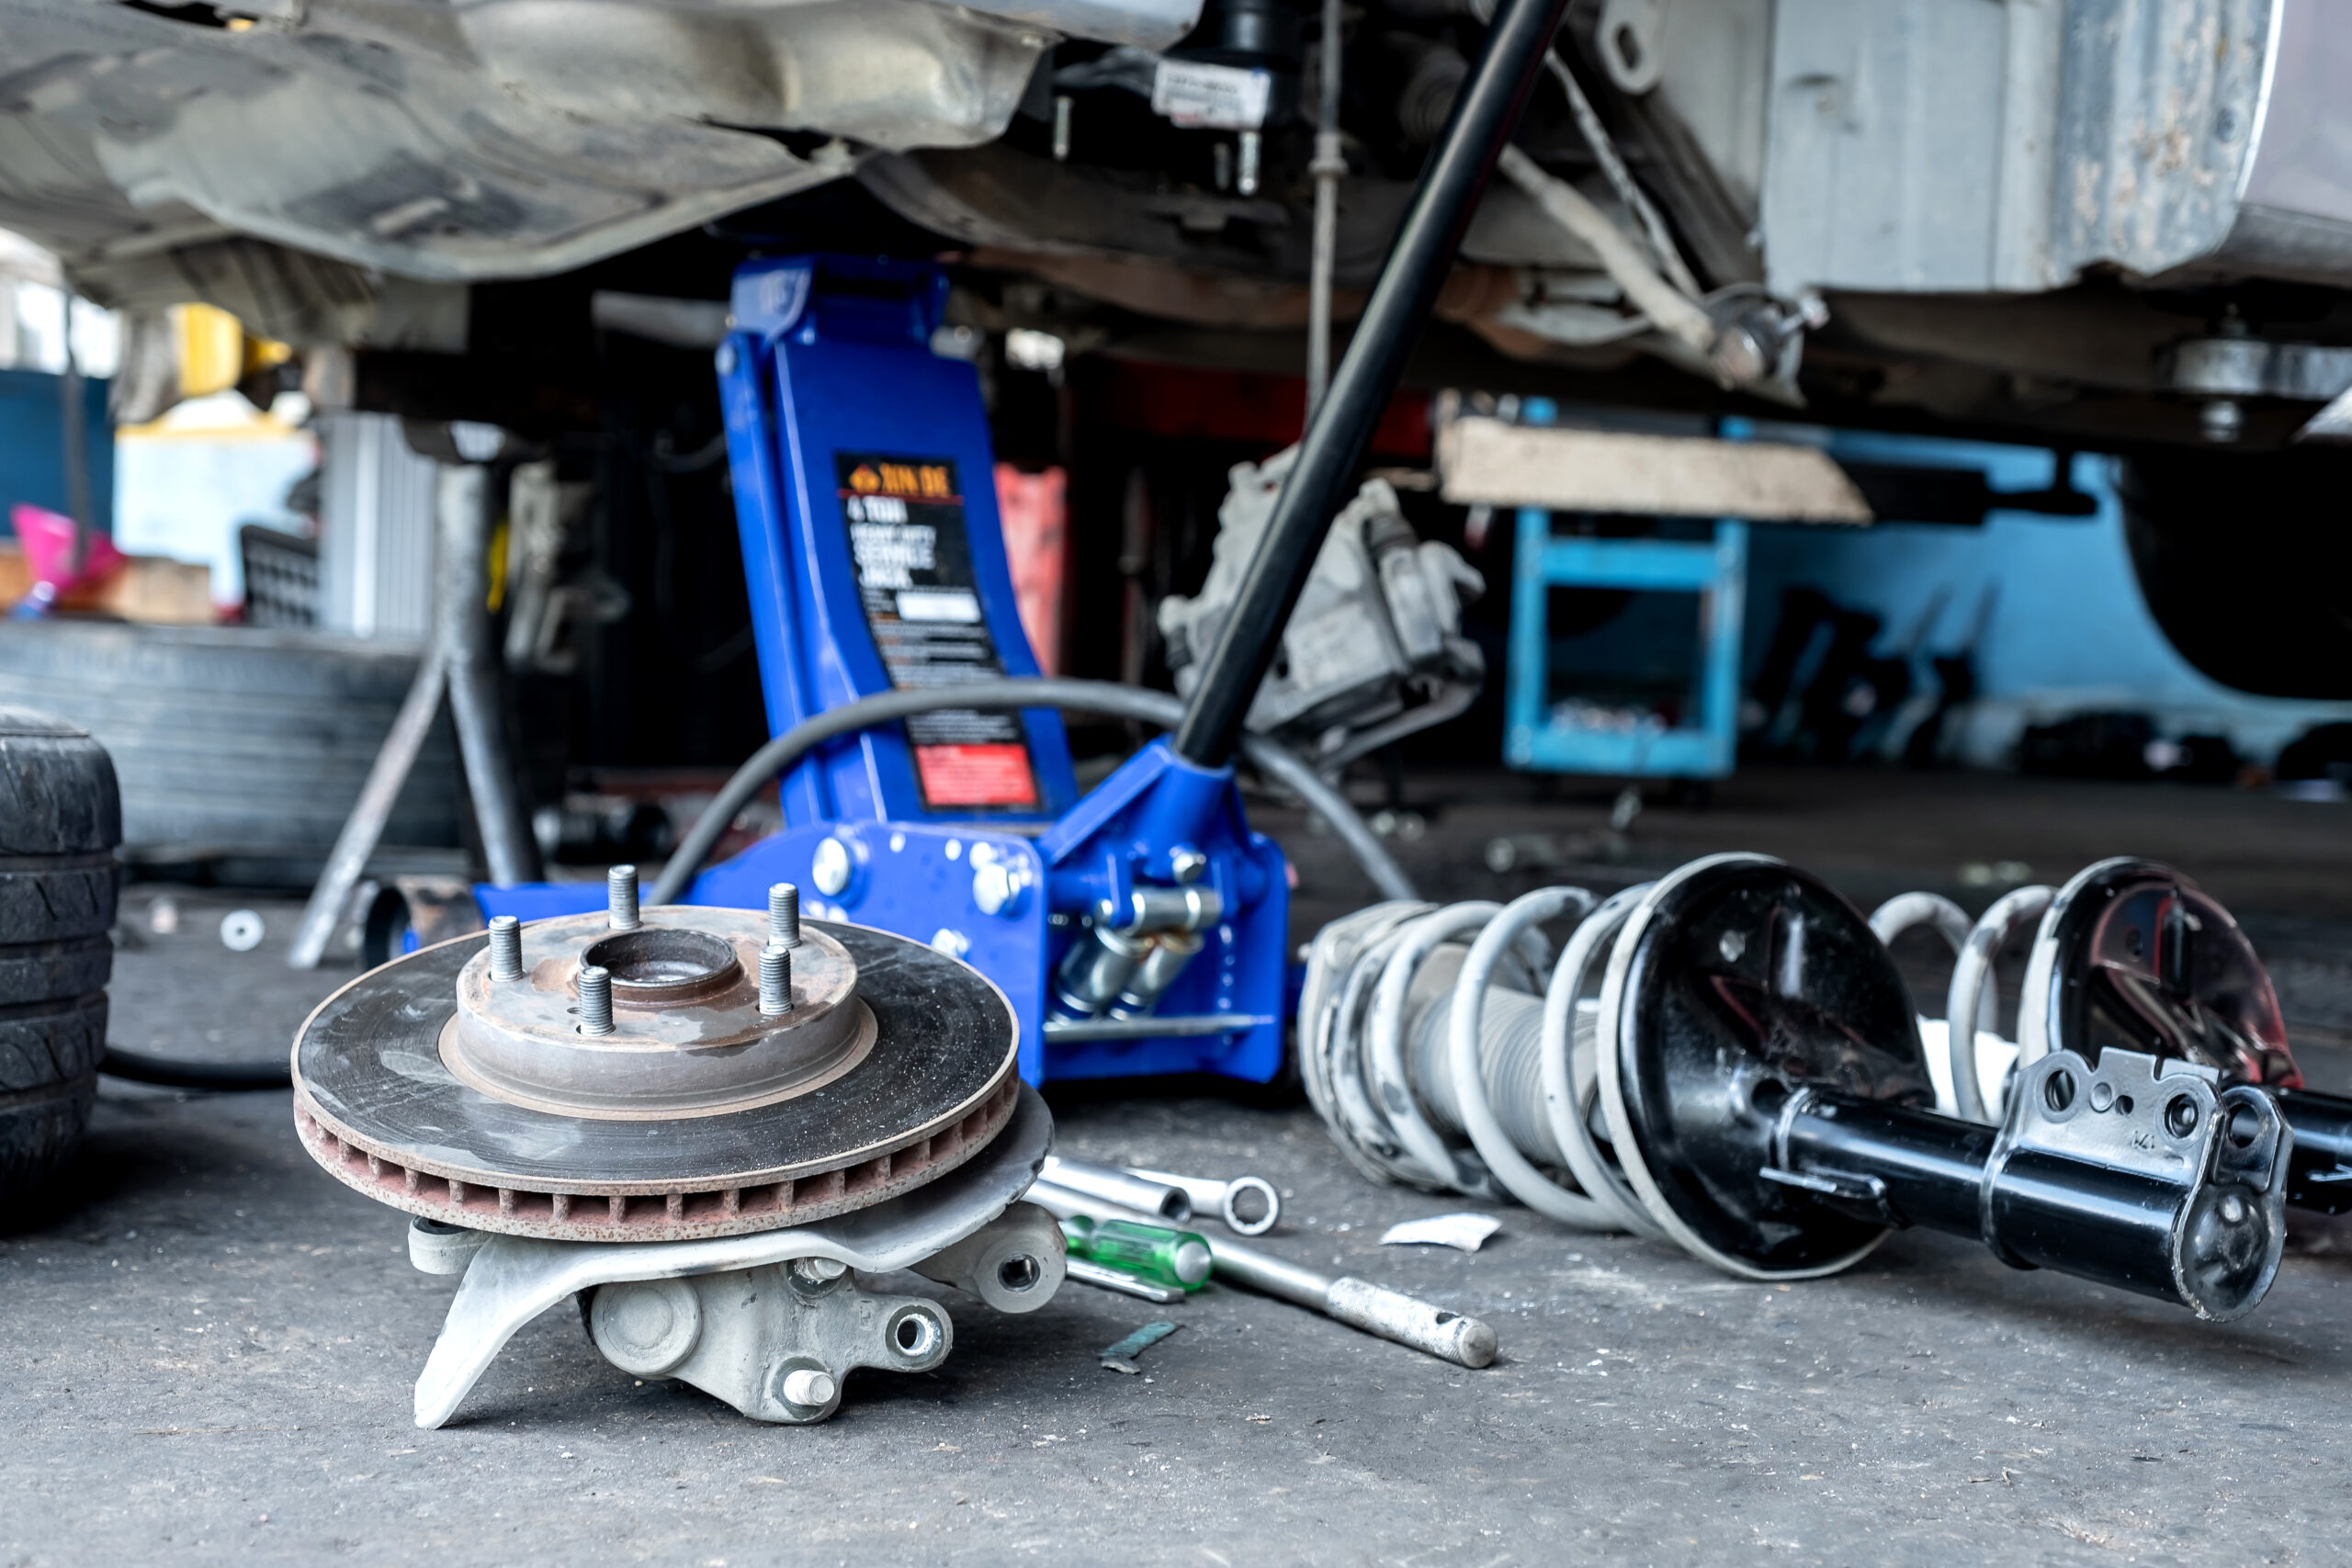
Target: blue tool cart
1536, 735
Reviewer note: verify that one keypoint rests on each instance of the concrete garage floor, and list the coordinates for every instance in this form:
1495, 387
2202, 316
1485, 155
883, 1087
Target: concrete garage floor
210, 1343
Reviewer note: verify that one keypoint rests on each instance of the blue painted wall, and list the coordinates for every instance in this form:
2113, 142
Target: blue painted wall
32, 464
2069, 632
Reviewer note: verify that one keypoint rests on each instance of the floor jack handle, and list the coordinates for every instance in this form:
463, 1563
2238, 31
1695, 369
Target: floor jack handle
1484, 115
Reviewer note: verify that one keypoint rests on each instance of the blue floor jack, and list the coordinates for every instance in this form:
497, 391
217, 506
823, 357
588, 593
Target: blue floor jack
1141, 929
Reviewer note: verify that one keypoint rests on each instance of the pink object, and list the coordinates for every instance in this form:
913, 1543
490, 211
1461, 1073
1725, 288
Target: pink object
1035, 513
48, 540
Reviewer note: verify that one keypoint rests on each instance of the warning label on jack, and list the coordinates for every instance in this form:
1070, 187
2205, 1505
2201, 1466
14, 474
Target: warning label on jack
913, 560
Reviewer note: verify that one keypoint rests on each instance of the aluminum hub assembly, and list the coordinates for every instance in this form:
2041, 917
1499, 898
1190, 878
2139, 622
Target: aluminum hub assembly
620, 1102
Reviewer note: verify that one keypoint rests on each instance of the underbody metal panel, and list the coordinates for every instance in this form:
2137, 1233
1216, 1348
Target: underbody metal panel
497, 138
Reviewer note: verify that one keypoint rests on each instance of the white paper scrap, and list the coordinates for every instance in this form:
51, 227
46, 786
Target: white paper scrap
1464, 1233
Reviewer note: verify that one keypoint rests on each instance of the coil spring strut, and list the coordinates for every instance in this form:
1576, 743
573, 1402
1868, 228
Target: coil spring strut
1512, 1069
2127, 953
1727, 1058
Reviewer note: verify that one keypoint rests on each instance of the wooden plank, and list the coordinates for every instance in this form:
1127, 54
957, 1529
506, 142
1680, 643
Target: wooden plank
1487, 461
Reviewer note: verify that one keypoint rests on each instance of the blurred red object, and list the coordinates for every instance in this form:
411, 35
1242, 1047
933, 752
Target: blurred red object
1035, 509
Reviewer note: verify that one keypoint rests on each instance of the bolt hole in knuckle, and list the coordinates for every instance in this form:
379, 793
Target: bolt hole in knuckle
916, 1337
1727, 1058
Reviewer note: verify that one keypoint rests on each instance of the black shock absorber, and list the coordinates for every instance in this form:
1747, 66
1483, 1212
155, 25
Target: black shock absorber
2124, 1173
1773, 1090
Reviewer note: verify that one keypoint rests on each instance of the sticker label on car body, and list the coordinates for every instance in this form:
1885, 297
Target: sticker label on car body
1212, 97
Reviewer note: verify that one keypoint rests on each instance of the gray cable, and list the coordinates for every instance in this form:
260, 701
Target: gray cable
1620, 178
1105, 697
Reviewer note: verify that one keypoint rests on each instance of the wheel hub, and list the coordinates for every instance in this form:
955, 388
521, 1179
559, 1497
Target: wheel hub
689, 1038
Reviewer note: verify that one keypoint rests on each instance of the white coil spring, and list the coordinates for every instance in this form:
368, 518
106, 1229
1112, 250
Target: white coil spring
1520, 1060
1515, 1070
1972, 1068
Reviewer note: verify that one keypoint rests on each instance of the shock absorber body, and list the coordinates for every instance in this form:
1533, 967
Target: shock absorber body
2175, 1195
2319, 1177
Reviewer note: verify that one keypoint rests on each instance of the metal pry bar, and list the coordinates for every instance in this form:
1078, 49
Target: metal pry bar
1159, 1202
1484, 113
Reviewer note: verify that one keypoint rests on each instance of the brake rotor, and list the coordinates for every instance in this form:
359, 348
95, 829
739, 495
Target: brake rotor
434, 1086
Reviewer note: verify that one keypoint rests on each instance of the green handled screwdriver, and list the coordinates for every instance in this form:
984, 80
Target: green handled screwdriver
1175, 1259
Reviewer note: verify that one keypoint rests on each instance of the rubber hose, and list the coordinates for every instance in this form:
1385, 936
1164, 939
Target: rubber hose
1106, 697
169, 1073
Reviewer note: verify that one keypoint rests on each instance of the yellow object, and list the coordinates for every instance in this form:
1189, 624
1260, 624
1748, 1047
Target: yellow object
261, 353
500, 537
220, 416
216, 352
212, 349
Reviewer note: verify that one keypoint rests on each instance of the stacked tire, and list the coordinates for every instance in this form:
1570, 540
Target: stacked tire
61, 817
234, 742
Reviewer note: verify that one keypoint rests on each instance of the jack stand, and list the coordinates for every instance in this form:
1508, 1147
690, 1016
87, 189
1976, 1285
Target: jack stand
460, 662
